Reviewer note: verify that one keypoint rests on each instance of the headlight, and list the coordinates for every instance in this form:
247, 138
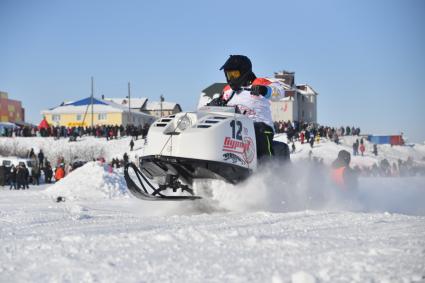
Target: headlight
184, 123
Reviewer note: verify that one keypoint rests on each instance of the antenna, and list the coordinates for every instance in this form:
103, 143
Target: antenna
129, 102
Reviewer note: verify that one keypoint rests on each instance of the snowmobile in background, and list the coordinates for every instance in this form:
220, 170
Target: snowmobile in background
212, 143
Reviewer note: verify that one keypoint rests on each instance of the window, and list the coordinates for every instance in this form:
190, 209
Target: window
56, 118
79, 117
101, 116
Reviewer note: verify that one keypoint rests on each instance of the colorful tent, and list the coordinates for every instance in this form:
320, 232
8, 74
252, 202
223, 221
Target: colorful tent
392, 139
43, 124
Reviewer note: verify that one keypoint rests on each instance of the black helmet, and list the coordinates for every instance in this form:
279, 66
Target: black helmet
238, 71
344, 156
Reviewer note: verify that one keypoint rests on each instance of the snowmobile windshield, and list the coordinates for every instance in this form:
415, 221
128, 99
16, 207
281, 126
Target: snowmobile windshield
232, 75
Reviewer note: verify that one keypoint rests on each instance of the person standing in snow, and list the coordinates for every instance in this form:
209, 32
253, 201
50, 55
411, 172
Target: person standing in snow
375, 149
60, 172
341, 174
36, 175
31, 154
48, 173
21, 177
348, 131
362, 148
40, 156
12, 177
27, 175
302, 137
145, 130
131, 144
251, 95
125, 158
354, 148
2, 175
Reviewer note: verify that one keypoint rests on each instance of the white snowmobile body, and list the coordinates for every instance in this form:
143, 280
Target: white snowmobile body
212, 143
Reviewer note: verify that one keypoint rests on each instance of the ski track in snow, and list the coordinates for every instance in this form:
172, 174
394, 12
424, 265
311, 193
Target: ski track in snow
264, 230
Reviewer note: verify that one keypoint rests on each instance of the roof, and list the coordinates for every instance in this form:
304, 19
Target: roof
287, 77
83, 105
156, 105
86, 101
215, 88
305, 89
134, 102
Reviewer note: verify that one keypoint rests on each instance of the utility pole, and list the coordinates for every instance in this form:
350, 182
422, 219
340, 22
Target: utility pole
129, 102
92, 93
161, 98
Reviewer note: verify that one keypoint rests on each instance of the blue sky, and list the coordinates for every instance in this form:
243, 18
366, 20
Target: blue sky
365, 58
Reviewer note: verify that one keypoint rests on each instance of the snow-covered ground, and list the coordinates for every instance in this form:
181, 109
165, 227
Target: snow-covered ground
264, 230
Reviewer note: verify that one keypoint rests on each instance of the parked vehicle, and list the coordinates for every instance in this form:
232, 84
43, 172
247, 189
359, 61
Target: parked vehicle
8, 161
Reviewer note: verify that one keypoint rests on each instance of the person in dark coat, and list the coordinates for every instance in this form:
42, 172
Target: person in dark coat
375, 149
2, 175
31, 154
355, 148
348, 131
21, 177
36, 175
145, 130
40, 156
12, 177
48, 173
131, 145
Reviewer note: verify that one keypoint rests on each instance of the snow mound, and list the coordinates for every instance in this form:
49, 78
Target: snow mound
91, 181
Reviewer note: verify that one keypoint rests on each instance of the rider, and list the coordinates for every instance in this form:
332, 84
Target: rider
251, 95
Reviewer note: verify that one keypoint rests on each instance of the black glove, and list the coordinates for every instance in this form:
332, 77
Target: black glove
259, 90
216, 102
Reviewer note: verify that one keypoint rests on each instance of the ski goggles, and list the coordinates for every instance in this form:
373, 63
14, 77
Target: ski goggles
232, 75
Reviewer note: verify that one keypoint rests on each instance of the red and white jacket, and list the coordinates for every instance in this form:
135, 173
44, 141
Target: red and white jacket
257, 107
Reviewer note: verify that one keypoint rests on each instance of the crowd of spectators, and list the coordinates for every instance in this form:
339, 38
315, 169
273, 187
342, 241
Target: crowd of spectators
305, 131
41, 170
21, 177
401, 168
312, 133
99, 131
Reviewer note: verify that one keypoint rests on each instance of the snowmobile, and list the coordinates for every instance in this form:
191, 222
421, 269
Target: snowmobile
212, 143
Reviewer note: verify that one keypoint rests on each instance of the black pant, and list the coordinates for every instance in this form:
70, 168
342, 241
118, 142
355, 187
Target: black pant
264, 139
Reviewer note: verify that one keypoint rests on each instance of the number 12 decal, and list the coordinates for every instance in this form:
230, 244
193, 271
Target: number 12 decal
236, 133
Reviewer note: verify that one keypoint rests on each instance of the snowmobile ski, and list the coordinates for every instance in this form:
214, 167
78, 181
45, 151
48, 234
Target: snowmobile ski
147, 191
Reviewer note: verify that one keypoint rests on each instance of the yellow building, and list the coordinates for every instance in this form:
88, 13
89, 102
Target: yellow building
101, 112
